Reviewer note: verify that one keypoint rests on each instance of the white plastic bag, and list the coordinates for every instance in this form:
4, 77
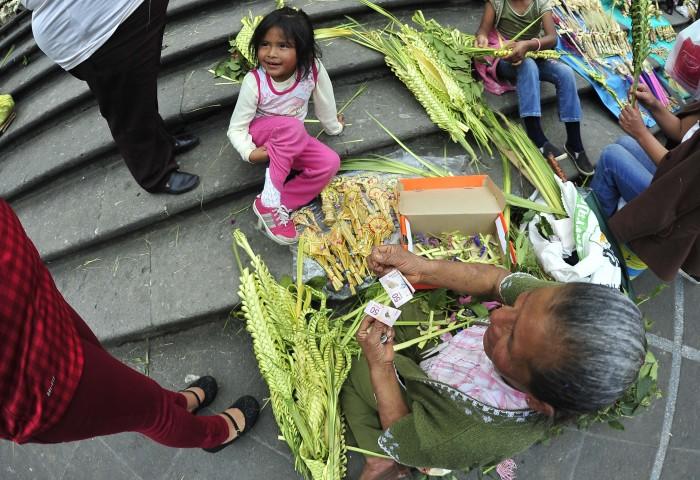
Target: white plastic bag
683, 63
580, 231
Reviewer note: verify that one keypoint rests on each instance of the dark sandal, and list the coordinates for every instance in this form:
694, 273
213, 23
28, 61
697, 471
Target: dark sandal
250, 408
208, 384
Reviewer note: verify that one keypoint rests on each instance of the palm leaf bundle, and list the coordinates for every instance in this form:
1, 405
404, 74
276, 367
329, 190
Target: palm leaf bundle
303, 360
641, 44
435, 64
8, 9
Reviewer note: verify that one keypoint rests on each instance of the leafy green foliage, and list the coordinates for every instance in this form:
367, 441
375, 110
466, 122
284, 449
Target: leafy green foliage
233, 68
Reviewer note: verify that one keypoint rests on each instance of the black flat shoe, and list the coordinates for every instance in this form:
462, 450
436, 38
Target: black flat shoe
250, 408
184, 142
581, 162
209, 386
179, 182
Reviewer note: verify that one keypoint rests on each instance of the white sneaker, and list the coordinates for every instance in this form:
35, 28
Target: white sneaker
682, 11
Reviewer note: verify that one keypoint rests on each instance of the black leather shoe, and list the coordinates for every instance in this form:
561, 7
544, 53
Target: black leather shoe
179, 182
250, 408
583, 165
210, 388
184, 142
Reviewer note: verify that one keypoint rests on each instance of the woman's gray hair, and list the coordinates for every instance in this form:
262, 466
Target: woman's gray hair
601, 344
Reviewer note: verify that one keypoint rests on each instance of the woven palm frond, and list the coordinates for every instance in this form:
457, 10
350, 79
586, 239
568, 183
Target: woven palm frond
641, 43
302, 360
243, 38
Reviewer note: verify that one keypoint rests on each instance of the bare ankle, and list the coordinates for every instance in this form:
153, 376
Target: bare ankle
240, 421
193, 396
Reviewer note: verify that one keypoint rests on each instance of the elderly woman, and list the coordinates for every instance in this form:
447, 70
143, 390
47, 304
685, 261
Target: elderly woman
553, 351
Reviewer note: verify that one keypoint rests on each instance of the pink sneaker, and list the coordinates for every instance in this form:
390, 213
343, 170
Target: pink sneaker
276, 222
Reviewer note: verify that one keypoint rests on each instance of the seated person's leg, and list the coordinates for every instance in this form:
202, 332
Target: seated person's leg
618, 175
564, 79
632, 146
528, 87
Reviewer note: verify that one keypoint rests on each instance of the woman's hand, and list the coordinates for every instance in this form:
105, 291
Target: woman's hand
517, 55
631, 122
385, 258
341, 119
481, 41
645, 96
259, 155
369, 336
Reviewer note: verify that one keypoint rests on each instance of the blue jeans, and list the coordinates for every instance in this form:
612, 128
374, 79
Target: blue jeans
624, 170
527, 76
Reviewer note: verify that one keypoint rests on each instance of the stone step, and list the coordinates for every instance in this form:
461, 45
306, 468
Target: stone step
81, 137
179, 271
87, 197
102, 201
185, 95
38, 67
20, 36
185, 37
14, 29
10, 25
77, 138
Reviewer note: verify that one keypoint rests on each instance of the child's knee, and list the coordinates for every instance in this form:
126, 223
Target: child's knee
627, 142
564, 73
609, 157
333, 164
328, 162
288, 129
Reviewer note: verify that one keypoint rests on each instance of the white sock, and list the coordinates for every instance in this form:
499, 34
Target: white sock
270, 196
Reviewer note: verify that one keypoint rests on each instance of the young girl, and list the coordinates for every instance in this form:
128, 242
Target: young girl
508, 18
268, 121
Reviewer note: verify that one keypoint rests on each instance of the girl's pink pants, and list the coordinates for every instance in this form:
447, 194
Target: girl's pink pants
290, 147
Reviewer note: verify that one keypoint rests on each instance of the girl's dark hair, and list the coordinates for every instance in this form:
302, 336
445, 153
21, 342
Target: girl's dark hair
599, 335
296, 27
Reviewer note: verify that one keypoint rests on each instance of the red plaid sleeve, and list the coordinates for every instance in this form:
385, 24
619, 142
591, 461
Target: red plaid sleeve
41, 358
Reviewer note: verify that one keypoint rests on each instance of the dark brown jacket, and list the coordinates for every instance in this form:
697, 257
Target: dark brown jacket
662, 224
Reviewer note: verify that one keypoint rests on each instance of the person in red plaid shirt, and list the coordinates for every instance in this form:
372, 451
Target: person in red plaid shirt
58, 384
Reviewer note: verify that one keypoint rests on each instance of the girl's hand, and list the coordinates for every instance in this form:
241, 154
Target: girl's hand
341, 119
644, 96
519, 49
481, 41
631, 122
259, 155
369, 336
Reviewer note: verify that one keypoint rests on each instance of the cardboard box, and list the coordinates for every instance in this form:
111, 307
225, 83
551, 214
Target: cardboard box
469, 204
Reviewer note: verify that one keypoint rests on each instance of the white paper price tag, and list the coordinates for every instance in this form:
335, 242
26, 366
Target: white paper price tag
397, 287
384, 314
